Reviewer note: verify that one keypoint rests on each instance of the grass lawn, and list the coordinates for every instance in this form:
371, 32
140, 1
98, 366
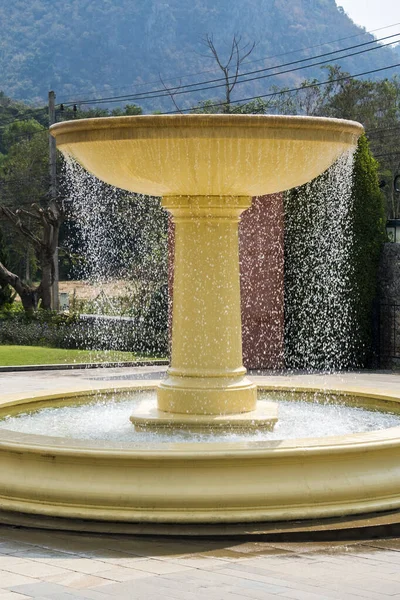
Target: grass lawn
38, 355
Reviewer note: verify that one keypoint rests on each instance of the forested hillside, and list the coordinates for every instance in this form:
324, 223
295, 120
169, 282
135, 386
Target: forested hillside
83, 48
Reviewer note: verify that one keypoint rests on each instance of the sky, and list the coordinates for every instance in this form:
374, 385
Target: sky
373, 14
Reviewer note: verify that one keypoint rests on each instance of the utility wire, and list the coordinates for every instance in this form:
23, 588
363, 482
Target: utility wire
247, 62
315, 84
179, 92
287, 91
162, 92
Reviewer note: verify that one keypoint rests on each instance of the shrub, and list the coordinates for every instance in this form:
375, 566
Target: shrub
146, 332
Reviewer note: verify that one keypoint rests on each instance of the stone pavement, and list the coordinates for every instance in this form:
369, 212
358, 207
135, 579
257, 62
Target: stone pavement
56, 565
34, 381
62, 566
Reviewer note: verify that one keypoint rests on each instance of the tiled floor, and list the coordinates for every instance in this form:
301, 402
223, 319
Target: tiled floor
53, 565
62, 566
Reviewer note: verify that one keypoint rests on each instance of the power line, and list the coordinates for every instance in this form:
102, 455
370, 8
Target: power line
287, 91
263, 77
252, 61
279, 73
187, 88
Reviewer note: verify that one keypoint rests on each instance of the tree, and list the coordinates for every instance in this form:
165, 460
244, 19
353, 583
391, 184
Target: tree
231, 66
368, 216
25, 206
6, 293
49, 220
19, 130
130, 109
376, 104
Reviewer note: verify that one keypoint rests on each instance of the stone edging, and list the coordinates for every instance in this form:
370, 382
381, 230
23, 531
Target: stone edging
66, 367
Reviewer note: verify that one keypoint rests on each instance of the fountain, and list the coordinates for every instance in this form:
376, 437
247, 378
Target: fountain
206, 168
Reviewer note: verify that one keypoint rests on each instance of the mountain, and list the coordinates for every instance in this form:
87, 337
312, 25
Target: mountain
87, 49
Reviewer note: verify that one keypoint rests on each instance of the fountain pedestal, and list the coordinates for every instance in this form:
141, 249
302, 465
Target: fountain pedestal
206, 384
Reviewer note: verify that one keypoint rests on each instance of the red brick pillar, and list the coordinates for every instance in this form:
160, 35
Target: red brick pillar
261, 281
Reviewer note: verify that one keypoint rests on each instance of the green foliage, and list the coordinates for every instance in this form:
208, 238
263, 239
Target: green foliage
7, 296
24, 179
375, 104
87, 49
130, 109
18, 131
146, 332
9, 312
369, 235
38, 355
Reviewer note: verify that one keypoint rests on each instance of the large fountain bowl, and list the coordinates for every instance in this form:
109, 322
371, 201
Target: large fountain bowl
206, 155
170, 482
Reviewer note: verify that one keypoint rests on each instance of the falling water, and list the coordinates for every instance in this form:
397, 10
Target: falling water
122, 238
319, 313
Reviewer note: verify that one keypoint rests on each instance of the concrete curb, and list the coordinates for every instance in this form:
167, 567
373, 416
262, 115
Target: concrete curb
67, 367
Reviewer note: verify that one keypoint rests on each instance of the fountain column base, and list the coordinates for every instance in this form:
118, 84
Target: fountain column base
214, 394
146, 417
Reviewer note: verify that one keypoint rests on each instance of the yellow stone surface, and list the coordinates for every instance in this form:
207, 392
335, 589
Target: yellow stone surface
206, 155
148, 418
198, 483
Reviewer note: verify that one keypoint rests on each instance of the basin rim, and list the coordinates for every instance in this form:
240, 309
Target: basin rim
202, 121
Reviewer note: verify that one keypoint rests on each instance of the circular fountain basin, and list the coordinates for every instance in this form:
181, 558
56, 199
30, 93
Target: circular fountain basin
206, 155
199, 481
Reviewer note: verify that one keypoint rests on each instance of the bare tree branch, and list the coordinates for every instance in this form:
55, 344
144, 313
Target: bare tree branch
20, 226
29, 295
26, 213
235, 59
170, 94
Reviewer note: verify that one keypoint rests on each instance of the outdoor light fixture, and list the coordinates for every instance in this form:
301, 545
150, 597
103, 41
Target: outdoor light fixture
393, 230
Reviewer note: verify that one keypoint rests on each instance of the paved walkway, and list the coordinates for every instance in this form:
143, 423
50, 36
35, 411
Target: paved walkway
63, 566
51, 565
35, 381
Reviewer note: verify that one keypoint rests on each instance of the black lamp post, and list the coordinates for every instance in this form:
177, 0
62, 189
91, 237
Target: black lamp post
393, 225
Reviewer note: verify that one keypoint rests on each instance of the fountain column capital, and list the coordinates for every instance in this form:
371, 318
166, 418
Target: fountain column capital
206, 207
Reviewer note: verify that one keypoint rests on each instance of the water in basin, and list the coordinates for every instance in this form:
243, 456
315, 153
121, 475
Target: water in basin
105, 418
